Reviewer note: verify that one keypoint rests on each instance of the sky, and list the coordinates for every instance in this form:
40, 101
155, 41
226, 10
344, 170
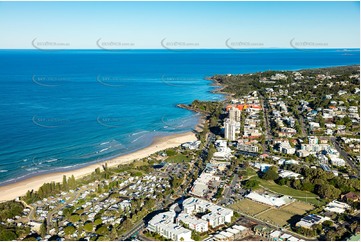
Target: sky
156, 25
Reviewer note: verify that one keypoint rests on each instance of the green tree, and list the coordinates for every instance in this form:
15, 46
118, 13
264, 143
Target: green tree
97, 221
69, 230
249, 184
43, 228
74, 218
102, 229
88, 227
271, 173
327, 191
65, 183
6, 234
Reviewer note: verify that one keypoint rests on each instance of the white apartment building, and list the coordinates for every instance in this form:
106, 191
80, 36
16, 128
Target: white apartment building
248, 148
235, 114
164, 225
286, 148
217, 215
193, 222
312, 140
336, 161
230, 129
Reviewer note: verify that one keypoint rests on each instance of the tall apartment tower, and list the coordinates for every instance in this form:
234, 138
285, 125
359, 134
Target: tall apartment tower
230, 129
235, 114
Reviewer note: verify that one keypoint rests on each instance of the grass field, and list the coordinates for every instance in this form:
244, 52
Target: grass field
178, 158
285, 190
276, 216
298, 208
286, 215
249, 207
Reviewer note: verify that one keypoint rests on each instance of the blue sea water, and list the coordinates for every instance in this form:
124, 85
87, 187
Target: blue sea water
64, 109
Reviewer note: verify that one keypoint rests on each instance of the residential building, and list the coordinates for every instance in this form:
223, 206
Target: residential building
193, 222
230, 128
217, 215
337, 207
235, 114
247, 147
310, 220
164, 225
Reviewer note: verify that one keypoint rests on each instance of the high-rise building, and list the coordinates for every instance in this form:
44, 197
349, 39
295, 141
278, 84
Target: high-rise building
235, 114
230, 129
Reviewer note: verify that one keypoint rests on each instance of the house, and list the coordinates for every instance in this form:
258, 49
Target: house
191, 145
289, 174
335, 161
302, 153
341, 92
310, 220
286, 148
262, 230
247, 147
337, 207
350, 196
314, 125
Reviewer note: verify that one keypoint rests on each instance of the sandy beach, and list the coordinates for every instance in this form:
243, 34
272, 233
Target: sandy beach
11, 191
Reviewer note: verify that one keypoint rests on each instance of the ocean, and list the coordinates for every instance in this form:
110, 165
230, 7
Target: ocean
61, 110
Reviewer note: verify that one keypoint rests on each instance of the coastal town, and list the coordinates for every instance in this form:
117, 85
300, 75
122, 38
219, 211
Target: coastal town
277, 159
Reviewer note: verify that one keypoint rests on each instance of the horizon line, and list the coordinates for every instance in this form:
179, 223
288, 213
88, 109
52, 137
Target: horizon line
169, 49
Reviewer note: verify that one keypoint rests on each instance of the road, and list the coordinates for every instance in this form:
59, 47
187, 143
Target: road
141, 224
227, 190
302, 124
344, 154
136, 228
161, 205
267, 125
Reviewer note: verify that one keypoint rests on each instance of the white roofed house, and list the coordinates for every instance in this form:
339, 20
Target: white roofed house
302, 153
289, 174
337, 207
335, 161
341, 92
314, 125
286, 148
312, 140
310, 220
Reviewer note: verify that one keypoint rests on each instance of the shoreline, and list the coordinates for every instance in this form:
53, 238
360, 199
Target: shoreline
19, 188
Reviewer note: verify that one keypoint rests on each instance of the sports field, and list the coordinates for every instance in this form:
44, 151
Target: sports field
286, 215
249, 207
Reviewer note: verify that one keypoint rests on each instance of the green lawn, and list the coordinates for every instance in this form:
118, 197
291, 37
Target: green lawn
250, 172
285, 190
178, 158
